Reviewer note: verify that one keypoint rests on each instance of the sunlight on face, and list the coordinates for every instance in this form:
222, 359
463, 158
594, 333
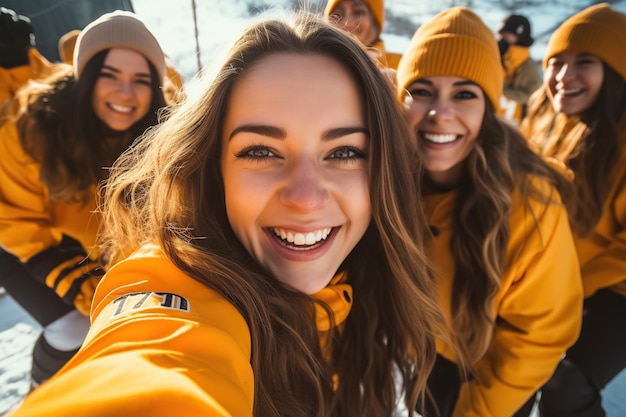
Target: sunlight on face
122, 94
446, 114
294, 163
574, 81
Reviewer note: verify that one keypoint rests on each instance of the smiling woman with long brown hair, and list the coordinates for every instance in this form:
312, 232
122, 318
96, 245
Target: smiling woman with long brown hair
265, 256
501, 241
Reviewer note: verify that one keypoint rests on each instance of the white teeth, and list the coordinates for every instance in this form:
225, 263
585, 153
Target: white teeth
310, 238
439, 138
571, 92
121, 109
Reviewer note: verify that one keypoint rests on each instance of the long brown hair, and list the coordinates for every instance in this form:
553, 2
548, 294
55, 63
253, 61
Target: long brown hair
589, 144
168, 190
500, 162
59, 129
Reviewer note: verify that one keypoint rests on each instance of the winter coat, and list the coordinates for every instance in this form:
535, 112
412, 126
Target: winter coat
603, 253
537, 310
385, 59
12, 79
162, 343
54, 239
521, 79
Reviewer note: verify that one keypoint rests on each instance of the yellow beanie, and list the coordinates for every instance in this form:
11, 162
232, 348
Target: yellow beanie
456, 43
598, 30
376, 6
119, 29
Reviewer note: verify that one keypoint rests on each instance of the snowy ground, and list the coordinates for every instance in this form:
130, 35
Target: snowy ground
218, 22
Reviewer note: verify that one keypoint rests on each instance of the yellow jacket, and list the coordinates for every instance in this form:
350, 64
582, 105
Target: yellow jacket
11, 80
160, 343
385, 58
538, 307
29, 221
55, 240
603, 254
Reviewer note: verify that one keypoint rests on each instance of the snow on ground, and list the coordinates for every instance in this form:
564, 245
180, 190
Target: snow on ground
18, 332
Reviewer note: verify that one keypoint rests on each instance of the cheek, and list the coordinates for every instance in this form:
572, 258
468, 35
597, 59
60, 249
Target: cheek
597, 79
236, 209
549, 82
415, 114
145, 95
244, 198
355, 194
97, 102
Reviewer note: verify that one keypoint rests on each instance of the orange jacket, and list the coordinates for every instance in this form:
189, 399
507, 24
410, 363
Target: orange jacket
11, 80
29, 221
539, 304
603, 253
160, 343
385, 58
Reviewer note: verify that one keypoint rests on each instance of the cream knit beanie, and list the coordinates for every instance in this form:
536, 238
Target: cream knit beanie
457, 43
119, 29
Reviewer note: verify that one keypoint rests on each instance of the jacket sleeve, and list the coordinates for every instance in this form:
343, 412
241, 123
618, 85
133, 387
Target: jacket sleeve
539, 314
161, 344
525, 81
608, 267
52, 258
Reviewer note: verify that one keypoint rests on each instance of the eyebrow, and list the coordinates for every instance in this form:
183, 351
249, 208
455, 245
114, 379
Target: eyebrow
457, 83
278, 133
117, 71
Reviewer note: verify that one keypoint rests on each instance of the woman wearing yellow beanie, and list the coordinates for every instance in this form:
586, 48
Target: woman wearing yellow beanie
365, 20
578, 118
501, 243
55, 152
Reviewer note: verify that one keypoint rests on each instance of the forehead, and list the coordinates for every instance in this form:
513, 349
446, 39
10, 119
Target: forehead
126, 58
304, 71
573, 54
351, 3
292, 89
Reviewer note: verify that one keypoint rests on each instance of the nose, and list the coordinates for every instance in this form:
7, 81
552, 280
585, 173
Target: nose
565, 72
126, 88
349, 21
439, 111
304, 190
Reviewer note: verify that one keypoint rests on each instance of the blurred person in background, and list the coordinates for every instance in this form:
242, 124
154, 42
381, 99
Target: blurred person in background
521, 73
364, 19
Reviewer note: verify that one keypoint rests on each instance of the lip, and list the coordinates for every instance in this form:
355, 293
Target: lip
432, 139
570, 92
120, 109
301, 255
